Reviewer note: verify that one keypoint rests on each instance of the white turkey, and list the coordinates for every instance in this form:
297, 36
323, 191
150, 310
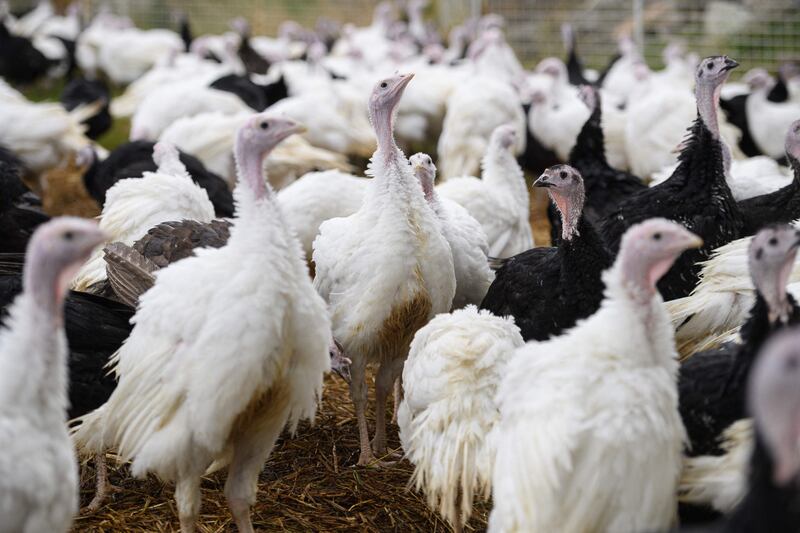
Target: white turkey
385, 271
499, 199
135, 205
475, 109
38, 470
464, 234
164, 106
197, 389
126, 54
317, 197
611, 459
769, 121
42, 135
450, 379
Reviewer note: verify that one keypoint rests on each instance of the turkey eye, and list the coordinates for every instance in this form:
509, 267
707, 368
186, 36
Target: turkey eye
68, 236
563, 174
264, 125
656, 236
710, 66
773, 241
791, 364
384, 85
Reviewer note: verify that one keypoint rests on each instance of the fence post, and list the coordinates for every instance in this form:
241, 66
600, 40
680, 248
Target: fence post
638, 25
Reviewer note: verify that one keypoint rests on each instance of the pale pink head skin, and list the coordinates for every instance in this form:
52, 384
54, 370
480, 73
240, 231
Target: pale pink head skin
240, 26
588, 96
771, 258
85, 156
789, 70
552, 66
758, 78
504, 136
486, 39
386, 94
425, 172
565, 186
492, 21
55, 252
674, 51
773, 398
792, 144
254, 141
647, 252
383, 15
711, 74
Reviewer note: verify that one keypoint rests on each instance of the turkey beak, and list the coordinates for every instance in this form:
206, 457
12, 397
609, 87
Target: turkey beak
405, 79
730, 64
542, 182
693, 241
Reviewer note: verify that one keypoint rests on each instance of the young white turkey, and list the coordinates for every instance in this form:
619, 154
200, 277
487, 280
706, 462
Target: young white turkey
499, 199
611, 459
450, 379
474, 110
769, 121
133, 206
464, 234
385, 270
125, 55
317, 197
196, 389
164, 106
210, 137
42, 135
38, 470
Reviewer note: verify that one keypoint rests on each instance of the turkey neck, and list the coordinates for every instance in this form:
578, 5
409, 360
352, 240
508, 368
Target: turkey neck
249, 166
585, 257
570, 209
500, 169
391, 169
707, 97
383, 122
37, 383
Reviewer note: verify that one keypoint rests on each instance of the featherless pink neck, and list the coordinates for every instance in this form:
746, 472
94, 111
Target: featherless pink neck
249, 162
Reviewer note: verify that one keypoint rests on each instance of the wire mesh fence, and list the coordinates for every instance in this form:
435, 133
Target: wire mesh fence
756, 32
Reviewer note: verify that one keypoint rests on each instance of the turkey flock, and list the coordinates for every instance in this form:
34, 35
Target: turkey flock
265, 224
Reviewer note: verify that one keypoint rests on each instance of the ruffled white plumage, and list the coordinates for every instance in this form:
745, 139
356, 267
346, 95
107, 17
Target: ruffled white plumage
168, 406
450, 379
611, 459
